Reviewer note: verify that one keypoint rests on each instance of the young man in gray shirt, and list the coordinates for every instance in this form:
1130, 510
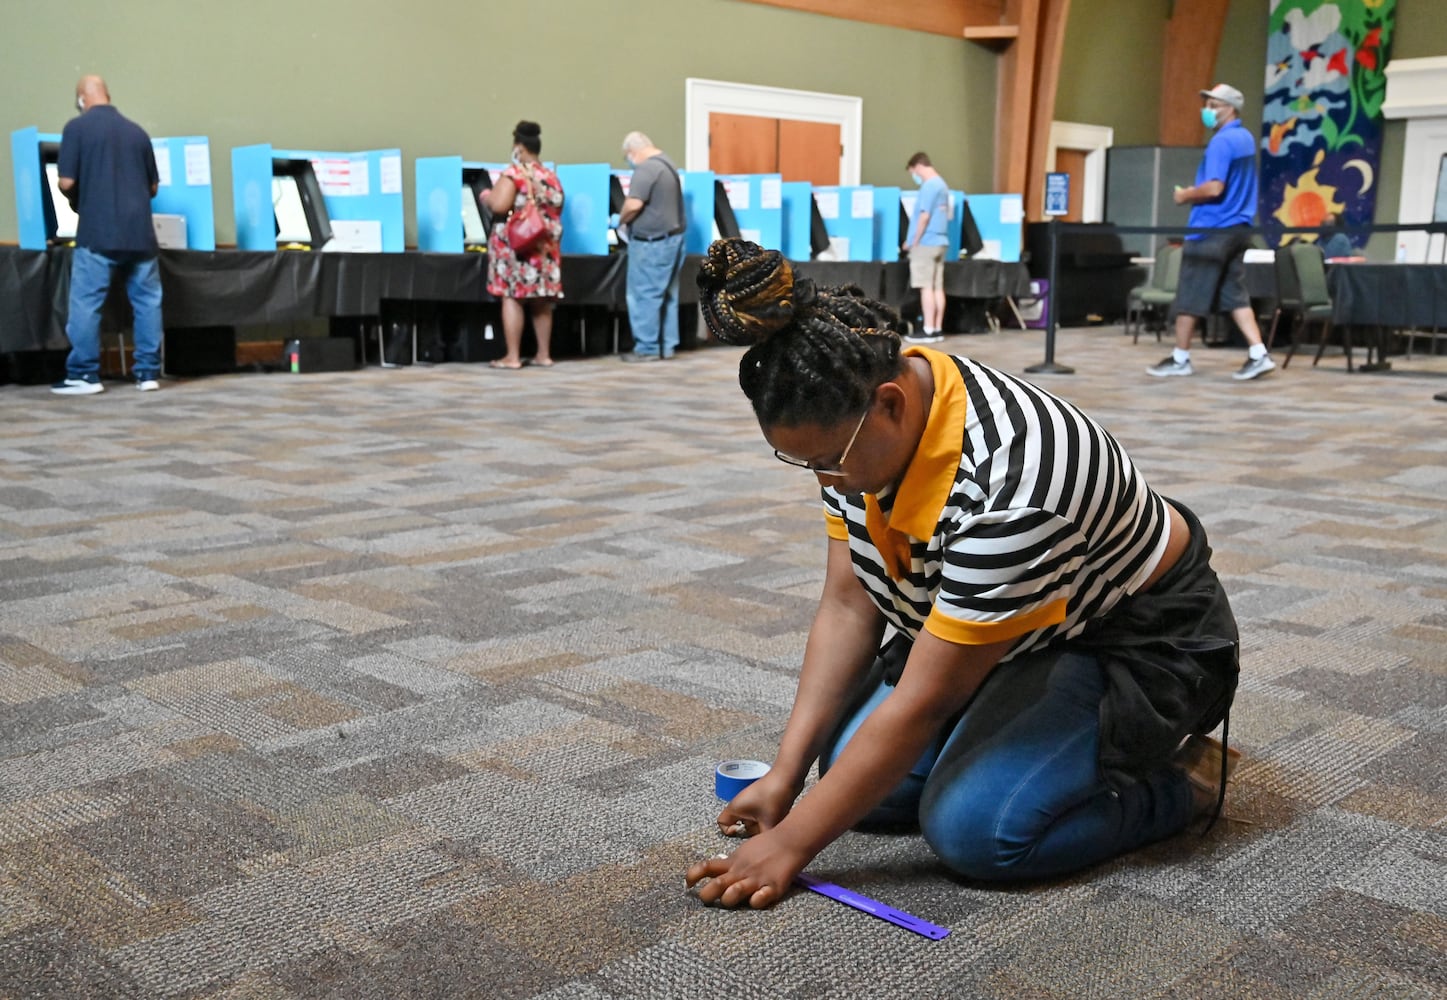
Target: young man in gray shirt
653, 212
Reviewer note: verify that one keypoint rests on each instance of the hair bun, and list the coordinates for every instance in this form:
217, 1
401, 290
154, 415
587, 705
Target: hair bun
747, 293
529, 129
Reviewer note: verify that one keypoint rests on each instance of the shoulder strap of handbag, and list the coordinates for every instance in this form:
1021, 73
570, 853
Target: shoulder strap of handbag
532, 183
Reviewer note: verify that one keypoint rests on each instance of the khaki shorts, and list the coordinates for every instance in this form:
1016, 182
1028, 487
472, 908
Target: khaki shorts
926, 267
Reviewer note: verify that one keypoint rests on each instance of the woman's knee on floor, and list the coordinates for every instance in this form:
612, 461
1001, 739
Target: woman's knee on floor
967, 836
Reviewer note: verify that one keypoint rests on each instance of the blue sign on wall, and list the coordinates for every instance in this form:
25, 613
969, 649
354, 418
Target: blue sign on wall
1057, 194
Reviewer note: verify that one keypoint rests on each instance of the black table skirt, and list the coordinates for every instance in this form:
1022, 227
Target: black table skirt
249, 288
1398, 296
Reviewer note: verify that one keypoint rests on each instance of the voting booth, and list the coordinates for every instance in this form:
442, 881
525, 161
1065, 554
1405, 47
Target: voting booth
451, 217
184, 194
587, 204
41, 212
799, 210
306, 199
890, 224
848, 214
698, 206
757, 203
182, 209
1000, 218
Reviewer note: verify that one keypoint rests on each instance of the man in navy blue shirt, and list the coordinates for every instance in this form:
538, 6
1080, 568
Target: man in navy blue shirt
1212, 274
108, 173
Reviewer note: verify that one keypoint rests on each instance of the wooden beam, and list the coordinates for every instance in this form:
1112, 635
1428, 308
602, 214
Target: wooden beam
993, 36
940, 17
1054, 15
1014, 99
1192, 39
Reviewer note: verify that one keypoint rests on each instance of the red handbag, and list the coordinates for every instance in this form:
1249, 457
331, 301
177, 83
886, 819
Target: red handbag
527, 227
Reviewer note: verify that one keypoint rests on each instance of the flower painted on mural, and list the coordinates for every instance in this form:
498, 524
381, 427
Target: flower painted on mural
1307, 202
1367, 53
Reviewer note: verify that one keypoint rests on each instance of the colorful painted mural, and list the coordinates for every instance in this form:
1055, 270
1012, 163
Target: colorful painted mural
1321, 128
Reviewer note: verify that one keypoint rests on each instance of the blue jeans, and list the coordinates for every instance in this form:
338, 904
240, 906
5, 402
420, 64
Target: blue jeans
1013, 791
653, 269
90, 281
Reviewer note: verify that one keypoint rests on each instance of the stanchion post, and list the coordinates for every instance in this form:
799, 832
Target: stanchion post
1048, 366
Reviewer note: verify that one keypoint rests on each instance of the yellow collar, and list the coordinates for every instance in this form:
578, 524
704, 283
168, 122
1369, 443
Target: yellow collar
925, 487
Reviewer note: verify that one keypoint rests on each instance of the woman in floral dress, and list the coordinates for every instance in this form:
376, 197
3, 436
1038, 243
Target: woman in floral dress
535, 278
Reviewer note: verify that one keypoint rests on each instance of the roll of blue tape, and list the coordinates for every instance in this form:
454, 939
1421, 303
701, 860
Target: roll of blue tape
733, 776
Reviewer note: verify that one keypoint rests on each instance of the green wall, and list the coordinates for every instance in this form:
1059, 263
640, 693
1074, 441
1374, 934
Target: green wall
1110, 67
446, 78
436, 77
1110, 70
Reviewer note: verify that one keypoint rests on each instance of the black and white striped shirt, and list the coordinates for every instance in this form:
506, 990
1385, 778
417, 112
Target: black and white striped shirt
1019, 516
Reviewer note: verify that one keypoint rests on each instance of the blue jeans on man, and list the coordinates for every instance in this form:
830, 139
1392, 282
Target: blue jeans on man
653, 269
90, 281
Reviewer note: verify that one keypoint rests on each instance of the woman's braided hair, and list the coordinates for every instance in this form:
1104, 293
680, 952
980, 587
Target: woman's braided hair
815, 355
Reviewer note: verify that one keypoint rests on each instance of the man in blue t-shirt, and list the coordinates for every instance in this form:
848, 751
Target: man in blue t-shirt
108, 173
926, 247
1212, 275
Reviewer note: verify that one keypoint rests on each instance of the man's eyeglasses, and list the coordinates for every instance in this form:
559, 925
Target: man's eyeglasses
837, 469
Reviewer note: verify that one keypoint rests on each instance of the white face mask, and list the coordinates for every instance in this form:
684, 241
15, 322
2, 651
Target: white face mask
80, 102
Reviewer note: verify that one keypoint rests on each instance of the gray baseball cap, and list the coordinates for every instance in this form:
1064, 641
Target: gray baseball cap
1226, 93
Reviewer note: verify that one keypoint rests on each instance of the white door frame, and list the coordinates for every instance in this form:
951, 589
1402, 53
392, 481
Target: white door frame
1417, 92
703, 97
1093, 140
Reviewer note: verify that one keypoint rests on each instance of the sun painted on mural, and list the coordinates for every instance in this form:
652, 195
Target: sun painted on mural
1321, 123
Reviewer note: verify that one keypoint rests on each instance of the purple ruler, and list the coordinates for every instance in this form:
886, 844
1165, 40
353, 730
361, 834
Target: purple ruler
874, 908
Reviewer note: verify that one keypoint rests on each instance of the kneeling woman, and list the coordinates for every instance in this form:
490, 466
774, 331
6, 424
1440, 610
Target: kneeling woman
1052, 631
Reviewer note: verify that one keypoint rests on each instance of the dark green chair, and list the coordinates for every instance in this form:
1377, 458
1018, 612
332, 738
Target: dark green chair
1156, 295
1315, 301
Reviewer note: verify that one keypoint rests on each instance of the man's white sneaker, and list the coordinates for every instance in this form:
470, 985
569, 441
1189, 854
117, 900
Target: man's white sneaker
1170, 366
77, 387
1254, 367
147, 385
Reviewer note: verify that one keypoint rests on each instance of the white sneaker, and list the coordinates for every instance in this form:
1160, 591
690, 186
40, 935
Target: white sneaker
77, 387
147, 385
1170, 366
923, 337
1254, 367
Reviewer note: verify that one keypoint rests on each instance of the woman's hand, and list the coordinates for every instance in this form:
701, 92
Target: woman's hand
757, 875
758, 807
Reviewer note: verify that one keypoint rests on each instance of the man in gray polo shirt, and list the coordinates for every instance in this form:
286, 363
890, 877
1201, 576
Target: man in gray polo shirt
653, 212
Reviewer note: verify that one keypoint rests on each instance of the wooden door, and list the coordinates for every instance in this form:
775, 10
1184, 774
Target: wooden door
1072, 162
809, 151
742, 144
751, 144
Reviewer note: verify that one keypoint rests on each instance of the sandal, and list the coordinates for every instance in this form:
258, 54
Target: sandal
542, 364
503, 365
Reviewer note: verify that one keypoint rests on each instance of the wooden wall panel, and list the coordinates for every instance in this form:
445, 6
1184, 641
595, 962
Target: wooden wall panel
1192, 39
941, 17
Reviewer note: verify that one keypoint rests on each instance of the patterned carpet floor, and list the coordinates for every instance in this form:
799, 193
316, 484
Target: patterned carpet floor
410, 683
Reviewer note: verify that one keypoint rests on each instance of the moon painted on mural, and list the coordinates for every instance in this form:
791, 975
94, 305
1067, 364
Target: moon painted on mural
1366, 172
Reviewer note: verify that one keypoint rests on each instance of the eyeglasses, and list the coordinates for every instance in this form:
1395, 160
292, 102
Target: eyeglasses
837, 469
